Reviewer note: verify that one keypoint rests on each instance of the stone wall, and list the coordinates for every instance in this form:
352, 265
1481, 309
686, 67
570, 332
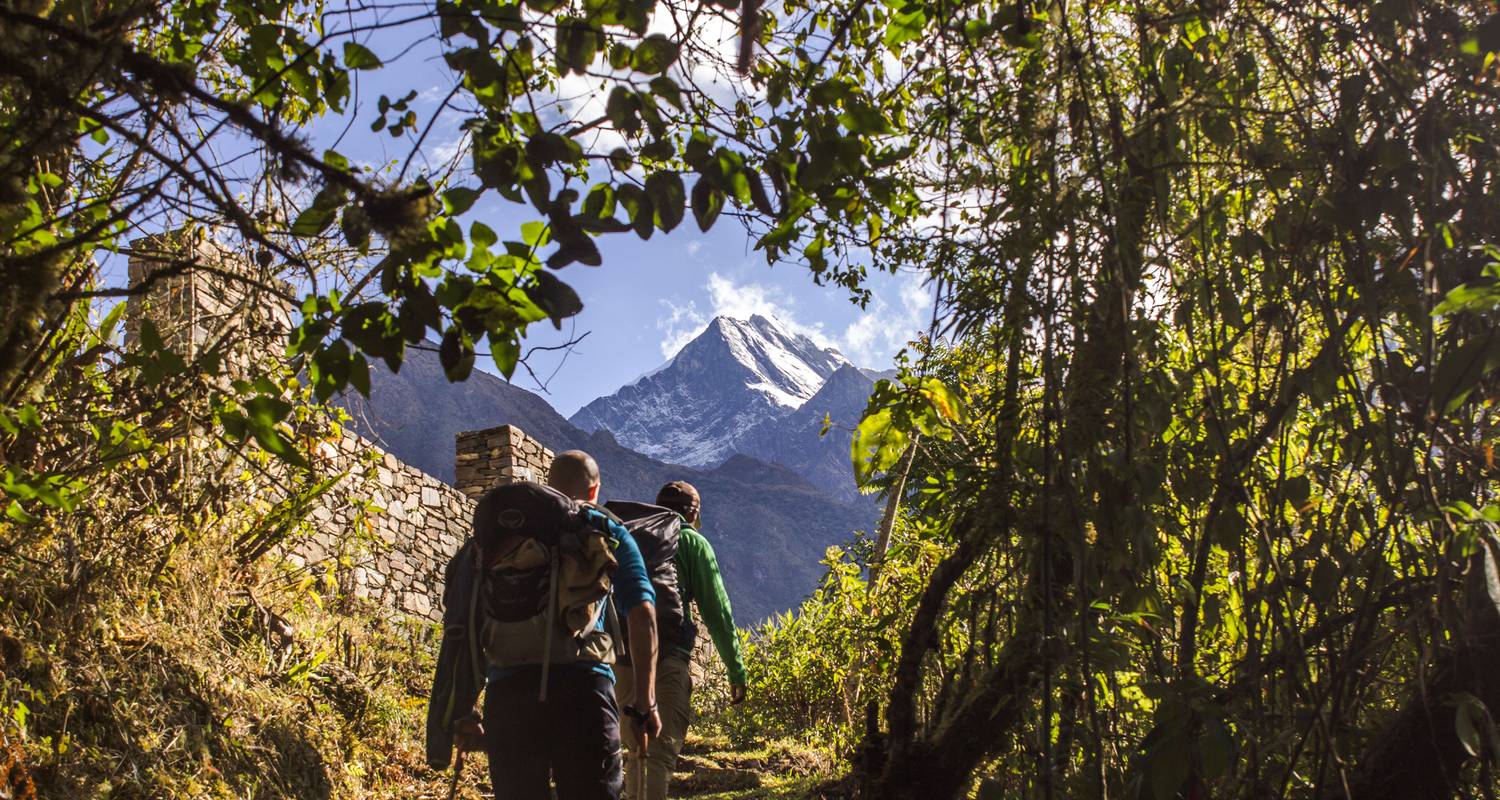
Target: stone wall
400, 543
386, 530
200, 296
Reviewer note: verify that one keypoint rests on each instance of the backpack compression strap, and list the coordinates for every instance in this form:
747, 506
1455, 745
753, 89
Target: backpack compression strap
551, 623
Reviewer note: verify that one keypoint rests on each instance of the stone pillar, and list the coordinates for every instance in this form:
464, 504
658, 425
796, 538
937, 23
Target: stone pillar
485, 459
200, 294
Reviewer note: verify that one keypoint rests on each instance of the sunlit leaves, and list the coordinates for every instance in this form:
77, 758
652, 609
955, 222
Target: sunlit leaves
654, 54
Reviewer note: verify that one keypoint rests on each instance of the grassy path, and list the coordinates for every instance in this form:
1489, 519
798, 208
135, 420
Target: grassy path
710, 769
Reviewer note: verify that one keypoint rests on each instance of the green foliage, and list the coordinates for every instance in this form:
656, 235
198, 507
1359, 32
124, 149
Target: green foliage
155, 640
811, 671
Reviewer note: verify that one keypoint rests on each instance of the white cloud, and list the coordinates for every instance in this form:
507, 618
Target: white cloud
745, 300
679, 326
444, 153
882, 330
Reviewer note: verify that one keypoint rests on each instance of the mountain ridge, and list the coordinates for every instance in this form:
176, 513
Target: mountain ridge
735, 375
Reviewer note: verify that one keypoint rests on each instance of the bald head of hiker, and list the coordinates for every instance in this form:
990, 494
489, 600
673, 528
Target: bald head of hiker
575, 474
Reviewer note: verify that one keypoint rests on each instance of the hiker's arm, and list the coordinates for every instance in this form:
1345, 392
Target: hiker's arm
642, 624
635, 595
707, 587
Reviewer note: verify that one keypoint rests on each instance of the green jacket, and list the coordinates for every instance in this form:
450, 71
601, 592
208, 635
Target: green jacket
699, 582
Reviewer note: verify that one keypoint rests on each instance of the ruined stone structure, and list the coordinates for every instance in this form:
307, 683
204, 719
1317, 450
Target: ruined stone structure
200, 295
491, 457
386, 530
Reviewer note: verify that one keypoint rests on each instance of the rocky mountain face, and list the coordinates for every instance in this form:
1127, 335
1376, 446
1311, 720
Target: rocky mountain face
696, 408
769, 525
799, 442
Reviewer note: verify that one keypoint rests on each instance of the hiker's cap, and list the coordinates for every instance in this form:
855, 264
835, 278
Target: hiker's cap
680, 496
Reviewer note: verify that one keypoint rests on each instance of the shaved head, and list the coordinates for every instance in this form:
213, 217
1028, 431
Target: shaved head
575, 474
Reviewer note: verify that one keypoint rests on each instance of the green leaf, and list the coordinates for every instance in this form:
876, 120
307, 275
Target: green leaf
357, 56
359, 374
18, 514
312, 222
506, 352
456, 353
654, 54
623, 109
668, 199
535, 234
638, 207
708, 201
575, 247
558, 299
578, 43
946, 402
459, 199
877, 445
1171, 763
904, 27
1216, 749
1460, 371
667, 89
600, 202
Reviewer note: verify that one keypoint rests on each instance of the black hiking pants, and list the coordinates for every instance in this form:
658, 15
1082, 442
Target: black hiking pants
573, 737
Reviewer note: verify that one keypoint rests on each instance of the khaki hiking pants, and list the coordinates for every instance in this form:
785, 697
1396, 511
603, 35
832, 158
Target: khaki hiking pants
674, 689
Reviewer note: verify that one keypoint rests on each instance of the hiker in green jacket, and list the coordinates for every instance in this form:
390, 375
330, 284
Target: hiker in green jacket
699, 583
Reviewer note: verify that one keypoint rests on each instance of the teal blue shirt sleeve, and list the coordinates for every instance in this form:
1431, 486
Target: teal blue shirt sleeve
631, 586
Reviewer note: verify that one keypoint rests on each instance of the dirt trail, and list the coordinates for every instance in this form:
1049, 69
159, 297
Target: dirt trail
710, 769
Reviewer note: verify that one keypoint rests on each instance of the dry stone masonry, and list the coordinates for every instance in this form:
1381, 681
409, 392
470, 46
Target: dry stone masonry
491, 457
386, 529
240, 310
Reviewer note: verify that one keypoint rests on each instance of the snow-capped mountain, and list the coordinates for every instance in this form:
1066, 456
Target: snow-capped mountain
734, 376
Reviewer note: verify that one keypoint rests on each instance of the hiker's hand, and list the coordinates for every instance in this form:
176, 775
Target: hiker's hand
736, 693
468, 732
644, 725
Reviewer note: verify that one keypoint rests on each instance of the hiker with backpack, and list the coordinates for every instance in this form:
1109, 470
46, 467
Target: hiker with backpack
684, 572
531, 616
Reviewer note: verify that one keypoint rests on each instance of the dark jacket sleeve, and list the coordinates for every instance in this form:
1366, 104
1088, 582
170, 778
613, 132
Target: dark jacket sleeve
459, 676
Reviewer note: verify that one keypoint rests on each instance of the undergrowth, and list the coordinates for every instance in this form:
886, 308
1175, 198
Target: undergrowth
212, 682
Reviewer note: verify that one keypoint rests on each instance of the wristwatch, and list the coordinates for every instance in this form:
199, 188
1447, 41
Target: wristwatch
637, 714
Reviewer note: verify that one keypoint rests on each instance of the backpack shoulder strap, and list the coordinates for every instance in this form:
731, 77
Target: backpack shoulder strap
604, 512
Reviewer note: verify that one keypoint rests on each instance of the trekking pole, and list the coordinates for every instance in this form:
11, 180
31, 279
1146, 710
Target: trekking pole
458, 769
638, 786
